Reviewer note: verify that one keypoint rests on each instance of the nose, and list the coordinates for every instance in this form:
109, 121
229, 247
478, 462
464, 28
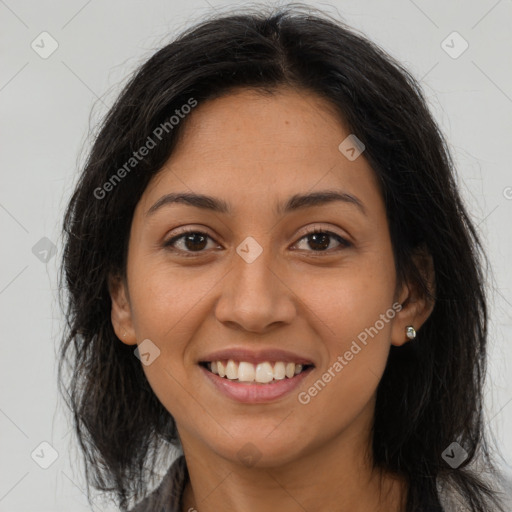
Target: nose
255, 296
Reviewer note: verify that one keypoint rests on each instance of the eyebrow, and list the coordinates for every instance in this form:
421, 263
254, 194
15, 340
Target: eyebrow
295, 202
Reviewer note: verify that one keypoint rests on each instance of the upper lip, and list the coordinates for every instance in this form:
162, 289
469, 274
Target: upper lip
256, 356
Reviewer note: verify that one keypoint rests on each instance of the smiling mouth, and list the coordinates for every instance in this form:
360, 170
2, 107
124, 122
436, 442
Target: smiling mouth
262, 373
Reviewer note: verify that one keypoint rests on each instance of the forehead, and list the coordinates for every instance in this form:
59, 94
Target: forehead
248, 120
253, 146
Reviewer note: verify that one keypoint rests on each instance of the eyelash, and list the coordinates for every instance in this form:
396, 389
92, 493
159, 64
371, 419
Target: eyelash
169, 244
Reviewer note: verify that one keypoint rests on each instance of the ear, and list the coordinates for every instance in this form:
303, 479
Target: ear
121, 313
416, 305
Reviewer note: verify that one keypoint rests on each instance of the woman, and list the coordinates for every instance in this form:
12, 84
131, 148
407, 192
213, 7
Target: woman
270, 268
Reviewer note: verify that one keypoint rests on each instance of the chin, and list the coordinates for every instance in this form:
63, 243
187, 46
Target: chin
259, 451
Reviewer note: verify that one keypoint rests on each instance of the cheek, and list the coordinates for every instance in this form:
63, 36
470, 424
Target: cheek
162, 305
346, 385
355, 317
352, 299
164, 298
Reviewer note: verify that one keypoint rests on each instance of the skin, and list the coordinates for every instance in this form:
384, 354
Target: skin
253, 151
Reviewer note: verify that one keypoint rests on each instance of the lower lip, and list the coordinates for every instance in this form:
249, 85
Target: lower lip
255, 393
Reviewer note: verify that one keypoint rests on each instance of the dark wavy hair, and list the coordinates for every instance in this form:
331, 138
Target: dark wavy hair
431, 392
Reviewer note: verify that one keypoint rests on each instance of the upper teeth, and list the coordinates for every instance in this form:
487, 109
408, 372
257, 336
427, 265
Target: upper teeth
248, 372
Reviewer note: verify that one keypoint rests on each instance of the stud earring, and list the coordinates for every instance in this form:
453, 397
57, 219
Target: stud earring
410, 332
124, 334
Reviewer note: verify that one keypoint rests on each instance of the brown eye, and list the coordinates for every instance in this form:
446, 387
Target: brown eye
189, 241
320, 240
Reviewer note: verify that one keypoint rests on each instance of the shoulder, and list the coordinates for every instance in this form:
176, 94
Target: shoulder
167, 496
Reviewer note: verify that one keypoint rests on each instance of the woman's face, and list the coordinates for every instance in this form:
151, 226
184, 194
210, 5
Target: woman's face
253, 286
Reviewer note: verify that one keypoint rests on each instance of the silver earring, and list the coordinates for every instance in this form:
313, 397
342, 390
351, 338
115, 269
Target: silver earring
410, 332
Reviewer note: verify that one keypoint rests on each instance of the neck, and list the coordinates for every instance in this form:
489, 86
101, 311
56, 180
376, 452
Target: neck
338, 475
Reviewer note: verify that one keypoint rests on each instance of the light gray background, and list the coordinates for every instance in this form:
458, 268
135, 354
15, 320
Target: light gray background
45, 118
